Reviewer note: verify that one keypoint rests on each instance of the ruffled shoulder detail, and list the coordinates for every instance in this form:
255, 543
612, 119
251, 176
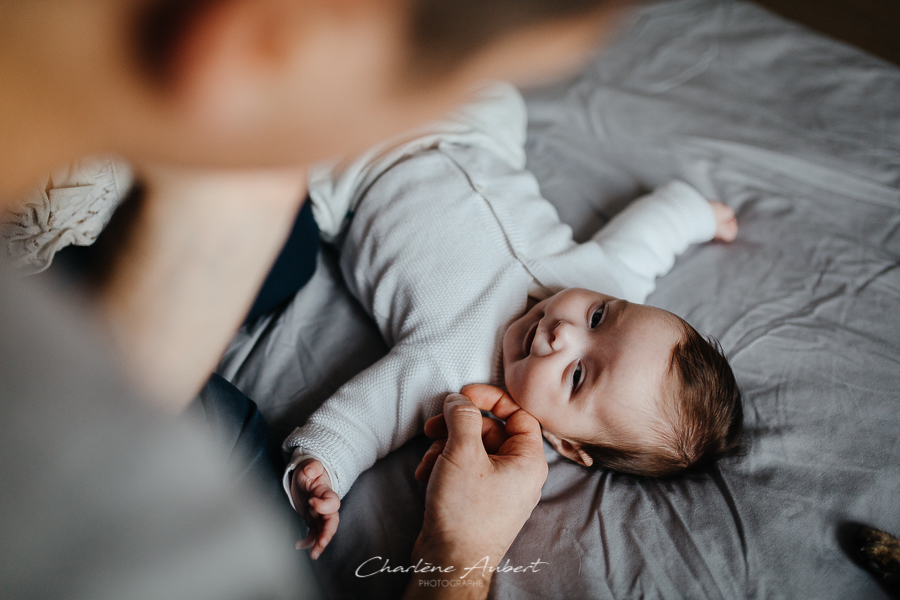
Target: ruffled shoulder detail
71, 208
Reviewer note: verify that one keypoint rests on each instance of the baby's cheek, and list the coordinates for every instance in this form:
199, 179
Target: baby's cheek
515, 384
529, 391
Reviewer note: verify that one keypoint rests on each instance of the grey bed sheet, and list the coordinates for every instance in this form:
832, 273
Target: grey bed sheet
801, 136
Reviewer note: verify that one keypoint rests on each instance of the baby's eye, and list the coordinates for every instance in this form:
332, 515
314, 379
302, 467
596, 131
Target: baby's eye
599, 316
576, 377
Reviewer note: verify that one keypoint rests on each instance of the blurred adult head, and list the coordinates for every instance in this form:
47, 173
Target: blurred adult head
257, 82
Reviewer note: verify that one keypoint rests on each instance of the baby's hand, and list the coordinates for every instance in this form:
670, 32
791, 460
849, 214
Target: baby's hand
726, 222
317, 502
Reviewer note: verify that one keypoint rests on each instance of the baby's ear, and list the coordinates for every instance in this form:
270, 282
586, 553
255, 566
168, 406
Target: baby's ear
571, 450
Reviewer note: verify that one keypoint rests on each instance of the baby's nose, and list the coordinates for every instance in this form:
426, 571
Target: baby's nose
561, 335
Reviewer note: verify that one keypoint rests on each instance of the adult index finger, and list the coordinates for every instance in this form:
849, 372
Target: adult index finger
491, 398
525, 439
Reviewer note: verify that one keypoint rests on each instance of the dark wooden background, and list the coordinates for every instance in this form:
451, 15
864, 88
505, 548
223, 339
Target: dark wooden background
873, 25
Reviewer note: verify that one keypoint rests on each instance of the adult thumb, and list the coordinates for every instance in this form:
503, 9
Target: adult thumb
463, 424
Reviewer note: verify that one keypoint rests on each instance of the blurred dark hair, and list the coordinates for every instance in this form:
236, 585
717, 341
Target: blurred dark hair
161, 27
702, 414
443, 33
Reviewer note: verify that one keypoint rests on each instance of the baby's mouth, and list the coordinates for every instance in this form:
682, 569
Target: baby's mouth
529, 338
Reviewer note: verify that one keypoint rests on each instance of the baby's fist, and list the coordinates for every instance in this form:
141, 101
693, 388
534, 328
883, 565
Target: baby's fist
726, 222
316, 501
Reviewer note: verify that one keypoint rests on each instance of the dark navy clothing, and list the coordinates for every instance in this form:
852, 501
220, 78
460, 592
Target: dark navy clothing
294, 267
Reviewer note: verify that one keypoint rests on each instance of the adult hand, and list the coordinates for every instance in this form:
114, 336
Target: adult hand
484, 481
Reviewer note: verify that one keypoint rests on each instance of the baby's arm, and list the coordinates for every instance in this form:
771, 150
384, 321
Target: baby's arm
374, 413
647, 237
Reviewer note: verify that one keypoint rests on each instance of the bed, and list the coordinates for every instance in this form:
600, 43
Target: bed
801, 136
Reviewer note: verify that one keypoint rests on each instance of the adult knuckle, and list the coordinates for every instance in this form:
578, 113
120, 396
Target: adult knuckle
466, 411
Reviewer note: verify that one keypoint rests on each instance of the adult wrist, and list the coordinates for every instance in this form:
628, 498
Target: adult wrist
450, 576
453, 569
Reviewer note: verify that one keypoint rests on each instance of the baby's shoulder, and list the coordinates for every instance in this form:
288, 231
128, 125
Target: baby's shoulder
429, 202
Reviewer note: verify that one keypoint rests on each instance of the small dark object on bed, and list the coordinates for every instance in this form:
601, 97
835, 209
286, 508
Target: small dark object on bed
876, 551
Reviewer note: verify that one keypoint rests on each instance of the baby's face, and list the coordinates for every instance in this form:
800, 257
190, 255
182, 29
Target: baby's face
587, 365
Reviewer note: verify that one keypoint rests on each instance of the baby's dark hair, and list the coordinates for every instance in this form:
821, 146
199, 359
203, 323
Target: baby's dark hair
702, 415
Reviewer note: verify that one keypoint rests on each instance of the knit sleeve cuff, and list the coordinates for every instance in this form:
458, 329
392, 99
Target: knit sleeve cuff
297, 459
698, 221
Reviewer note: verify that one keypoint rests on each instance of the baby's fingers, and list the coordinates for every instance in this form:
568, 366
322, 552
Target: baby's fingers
315, 522
726, 222
727, 231
329, 527
326, 502
307, 542
310, 471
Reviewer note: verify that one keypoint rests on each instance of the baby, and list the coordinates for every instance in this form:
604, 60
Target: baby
446, 241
